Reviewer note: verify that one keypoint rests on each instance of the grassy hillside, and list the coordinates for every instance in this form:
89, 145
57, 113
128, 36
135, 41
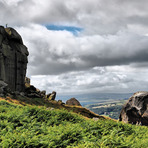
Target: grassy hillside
41, 127
54, 104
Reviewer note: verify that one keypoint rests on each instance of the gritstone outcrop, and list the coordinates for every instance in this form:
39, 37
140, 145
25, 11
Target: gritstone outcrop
135, 111
73, 101
13, 59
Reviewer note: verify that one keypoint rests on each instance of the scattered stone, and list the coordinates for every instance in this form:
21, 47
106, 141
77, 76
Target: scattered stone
52, 96
48, 95
60, 102
33, 92
135, 111
43, 92
73, 101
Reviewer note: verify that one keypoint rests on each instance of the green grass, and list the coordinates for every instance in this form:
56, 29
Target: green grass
34, 127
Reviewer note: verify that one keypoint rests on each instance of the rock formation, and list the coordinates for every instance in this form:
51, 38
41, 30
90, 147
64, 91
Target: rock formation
13, 59
51, 96
135, 111
73, 101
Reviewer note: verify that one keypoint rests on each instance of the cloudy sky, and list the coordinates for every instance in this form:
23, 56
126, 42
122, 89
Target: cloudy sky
83, 46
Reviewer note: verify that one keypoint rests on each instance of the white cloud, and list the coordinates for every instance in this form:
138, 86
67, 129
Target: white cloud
10, 2
110, 79
53, 52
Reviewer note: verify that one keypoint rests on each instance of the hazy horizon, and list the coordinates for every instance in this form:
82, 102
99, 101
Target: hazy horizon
85, 46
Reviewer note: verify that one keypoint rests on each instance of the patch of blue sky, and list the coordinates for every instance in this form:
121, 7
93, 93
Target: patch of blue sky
74, 30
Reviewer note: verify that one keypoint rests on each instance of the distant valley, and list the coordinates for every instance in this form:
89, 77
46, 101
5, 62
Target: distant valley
89, 99
107, 104
111, 109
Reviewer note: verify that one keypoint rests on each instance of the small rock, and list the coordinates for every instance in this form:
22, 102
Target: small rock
60, 102
52, 96
73, 101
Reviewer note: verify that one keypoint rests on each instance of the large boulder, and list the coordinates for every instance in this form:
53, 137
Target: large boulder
135, 111
13, 59
73, 102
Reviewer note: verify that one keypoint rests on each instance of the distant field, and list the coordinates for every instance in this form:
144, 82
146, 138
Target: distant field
107, 104
111, 108
88, 99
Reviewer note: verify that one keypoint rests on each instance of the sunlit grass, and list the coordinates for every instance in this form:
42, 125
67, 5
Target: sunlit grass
31, 126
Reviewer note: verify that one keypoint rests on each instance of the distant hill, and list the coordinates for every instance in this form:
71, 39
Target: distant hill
109, 108
93, 98
23, 100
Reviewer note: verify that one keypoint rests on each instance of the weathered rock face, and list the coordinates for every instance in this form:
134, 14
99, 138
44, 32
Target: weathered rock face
3, 86
135, 111
73, 101
13, 59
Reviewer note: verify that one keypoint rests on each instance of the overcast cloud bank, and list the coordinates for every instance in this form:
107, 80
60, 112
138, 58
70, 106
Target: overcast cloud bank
110, 54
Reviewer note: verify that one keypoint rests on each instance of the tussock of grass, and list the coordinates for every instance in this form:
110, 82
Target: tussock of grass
31, 126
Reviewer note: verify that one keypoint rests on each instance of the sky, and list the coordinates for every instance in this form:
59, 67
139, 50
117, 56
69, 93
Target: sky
85, 46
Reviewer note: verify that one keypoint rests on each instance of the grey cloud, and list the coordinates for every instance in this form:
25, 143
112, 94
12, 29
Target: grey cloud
110, 61
96, 17
91, 81
106, 56
47, 57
